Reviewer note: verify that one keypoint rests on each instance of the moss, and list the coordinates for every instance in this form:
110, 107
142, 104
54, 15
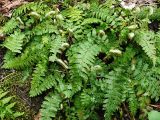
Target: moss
11, 82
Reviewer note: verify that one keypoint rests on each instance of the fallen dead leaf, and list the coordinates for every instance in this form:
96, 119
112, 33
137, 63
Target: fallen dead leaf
38, 116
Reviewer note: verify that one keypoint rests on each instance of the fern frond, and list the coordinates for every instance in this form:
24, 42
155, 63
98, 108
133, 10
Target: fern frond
38, 75
132, 99
102, 13
91, 21
146, 40
31, 6
73, 14
113, 96
86, 99
56, 46
10, 26
14, 42
41, 28
144, 13
112, 102
45, 83
148, 80
81, 58
50, 106
26, 59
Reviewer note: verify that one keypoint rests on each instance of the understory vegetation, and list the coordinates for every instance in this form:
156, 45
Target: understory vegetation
91, 60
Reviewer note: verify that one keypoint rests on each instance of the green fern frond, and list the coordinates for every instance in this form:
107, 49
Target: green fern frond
147, 41
102, 13
133, 102
10, 26
148, 81
91, 21
86, 99
153, 89
57, 46
45, 83
9, 56
41, 28
31, 6
18, 62
144, 13
38, 78
14, 42
73, 14
50, 106
27, 58
112, 102
81, 58
113, 96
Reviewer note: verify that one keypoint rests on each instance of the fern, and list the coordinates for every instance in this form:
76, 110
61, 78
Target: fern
25, 59
32, 6
81, 58
132, 98
113, 96
15, 42
57, 46
50, 106
41, 28
38, 75
133, 103
85, 56
146, 40
73, 13
91, 21
100, 12
10, 25
6, 107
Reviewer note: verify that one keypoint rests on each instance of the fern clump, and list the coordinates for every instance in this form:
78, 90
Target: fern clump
85, 56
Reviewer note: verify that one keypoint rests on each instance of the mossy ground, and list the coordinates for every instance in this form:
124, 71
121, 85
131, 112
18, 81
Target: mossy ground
11, 81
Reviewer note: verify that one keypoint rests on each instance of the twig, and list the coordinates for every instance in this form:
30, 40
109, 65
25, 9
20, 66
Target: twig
156, 106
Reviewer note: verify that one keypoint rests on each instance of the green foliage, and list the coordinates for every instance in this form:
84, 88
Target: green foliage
113, 94
147, 41
10, 26
14, 42
7, 111
81, 57
50, 106
85, 56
